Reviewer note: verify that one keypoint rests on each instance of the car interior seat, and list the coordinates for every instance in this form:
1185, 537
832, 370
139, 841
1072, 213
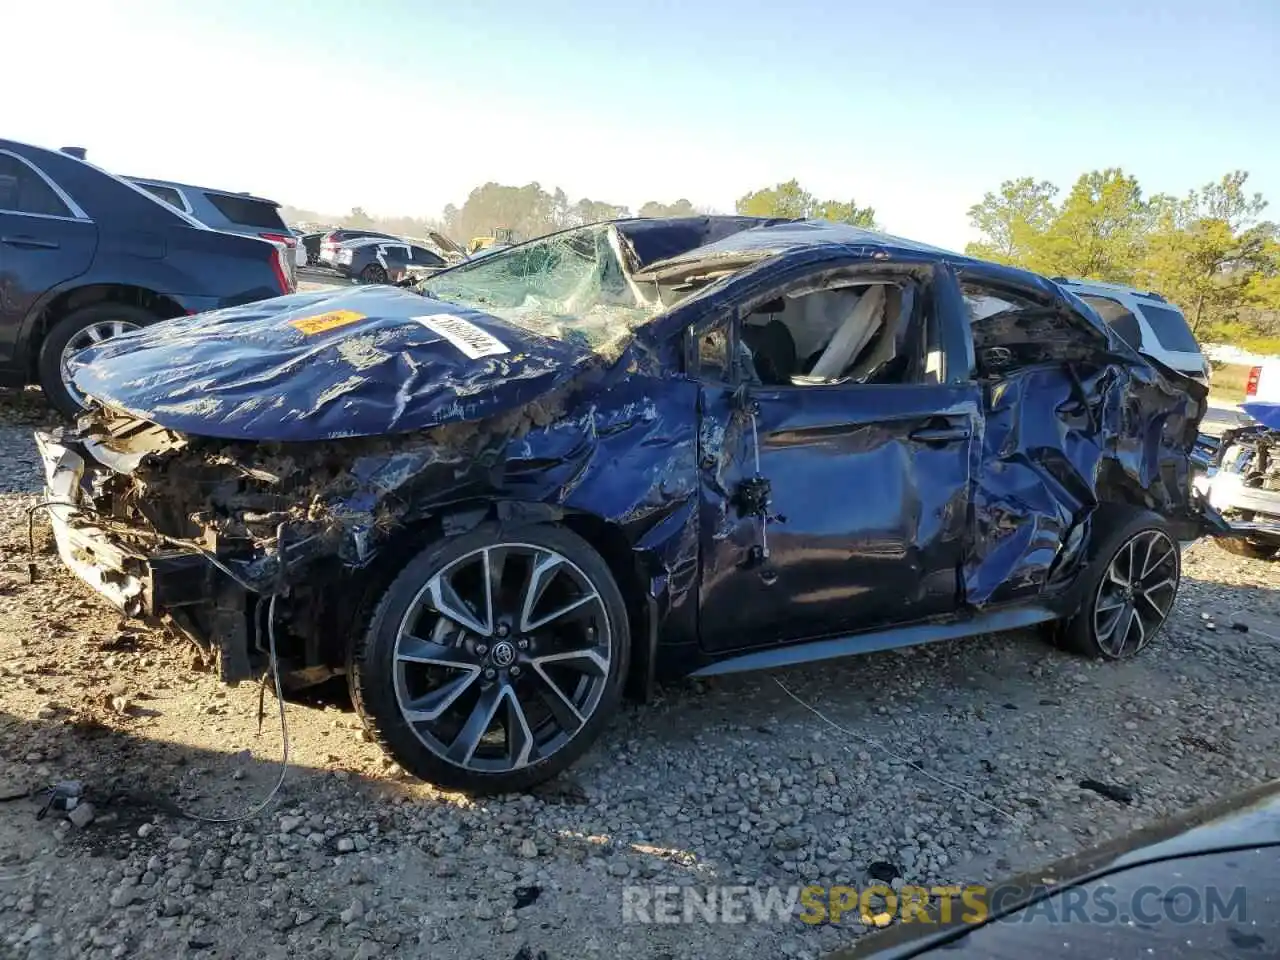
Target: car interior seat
773, 350
853, 334
883, 348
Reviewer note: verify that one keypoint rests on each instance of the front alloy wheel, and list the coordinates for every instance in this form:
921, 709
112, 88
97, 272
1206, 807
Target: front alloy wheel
494, 659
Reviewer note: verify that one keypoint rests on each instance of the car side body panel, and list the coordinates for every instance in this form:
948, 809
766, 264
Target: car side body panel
37, 255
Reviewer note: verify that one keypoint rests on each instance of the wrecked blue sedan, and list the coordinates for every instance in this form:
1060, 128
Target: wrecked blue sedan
628, 451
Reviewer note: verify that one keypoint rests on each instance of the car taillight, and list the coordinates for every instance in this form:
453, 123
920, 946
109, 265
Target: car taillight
287, 240
283, 276
1251, 387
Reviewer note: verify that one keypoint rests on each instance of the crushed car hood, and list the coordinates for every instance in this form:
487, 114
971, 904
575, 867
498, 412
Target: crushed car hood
361, 362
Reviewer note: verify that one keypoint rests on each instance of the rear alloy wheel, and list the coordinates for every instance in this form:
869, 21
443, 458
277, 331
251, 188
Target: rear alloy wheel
71, 335
373, 273
494, 659
1131, 590
1136, 594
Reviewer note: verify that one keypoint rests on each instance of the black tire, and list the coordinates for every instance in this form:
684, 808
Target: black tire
1114, 528
1247, 548
374, 680
373, 273
49, 361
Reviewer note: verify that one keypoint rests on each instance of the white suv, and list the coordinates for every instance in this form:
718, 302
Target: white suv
1146, 321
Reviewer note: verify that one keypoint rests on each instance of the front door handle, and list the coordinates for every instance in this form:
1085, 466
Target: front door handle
941, 434
31, 243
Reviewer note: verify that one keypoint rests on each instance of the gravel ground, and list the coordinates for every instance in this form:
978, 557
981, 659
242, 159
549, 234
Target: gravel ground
724, 782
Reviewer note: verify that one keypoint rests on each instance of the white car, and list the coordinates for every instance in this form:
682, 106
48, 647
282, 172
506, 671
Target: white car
1146, 321
1240, 471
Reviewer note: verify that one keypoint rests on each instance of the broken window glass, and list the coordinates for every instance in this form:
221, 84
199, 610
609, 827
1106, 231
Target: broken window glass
713, 355
1012, 330
571, 286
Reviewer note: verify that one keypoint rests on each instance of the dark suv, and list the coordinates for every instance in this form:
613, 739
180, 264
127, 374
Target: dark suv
85, 255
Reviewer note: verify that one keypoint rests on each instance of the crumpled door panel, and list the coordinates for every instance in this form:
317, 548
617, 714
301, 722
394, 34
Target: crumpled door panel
1059, 440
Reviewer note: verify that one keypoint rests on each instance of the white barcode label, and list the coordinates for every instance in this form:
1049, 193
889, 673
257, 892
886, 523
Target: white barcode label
464, 335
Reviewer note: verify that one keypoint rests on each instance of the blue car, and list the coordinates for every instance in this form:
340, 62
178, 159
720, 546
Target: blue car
85, 256
633, 450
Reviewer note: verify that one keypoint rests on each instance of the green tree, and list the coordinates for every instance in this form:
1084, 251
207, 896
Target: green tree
1209, 254
1013, 221
840, 212
793, 201
528, 211
784, 200
593, 211
358, 219
681, 208
1100, 231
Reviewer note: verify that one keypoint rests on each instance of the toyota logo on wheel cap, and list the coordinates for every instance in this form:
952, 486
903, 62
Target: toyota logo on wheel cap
503, 654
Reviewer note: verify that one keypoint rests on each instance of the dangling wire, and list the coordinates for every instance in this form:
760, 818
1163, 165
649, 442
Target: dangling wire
764, 514
271, 645
284, 732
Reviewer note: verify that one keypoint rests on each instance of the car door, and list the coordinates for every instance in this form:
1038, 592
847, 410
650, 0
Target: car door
46, 240
868, 481
1057, 420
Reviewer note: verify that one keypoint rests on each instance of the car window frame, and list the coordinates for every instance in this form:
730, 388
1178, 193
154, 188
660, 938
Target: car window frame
385, 248
414, 249
77, 213
1149, 323
186, 203
924, 307
1012, 287
1139, 319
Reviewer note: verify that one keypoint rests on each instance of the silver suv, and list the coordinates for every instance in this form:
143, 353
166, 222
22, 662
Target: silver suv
1146, 321
223, 210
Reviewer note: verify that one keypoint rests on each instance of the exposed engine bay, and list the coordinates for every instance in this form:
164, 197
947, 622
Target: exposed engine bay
187, 519
1243, 485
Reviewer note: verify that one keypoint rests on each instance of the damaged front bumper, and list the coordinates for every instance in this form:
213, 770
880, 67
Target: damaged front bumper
1250, 511
137, 581
1240, 508
200, 534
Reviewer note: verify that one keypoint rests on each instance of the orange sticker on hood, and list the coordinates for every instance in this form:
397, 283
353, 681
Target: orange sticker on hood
326, 321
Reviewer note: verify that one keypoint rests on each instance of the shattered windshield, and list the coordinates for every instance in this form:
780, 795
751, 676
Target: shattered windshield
570, 286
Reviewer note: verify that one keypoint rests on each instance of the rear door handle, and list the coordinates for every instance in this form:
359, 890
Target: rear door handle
941, 434
33, 243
